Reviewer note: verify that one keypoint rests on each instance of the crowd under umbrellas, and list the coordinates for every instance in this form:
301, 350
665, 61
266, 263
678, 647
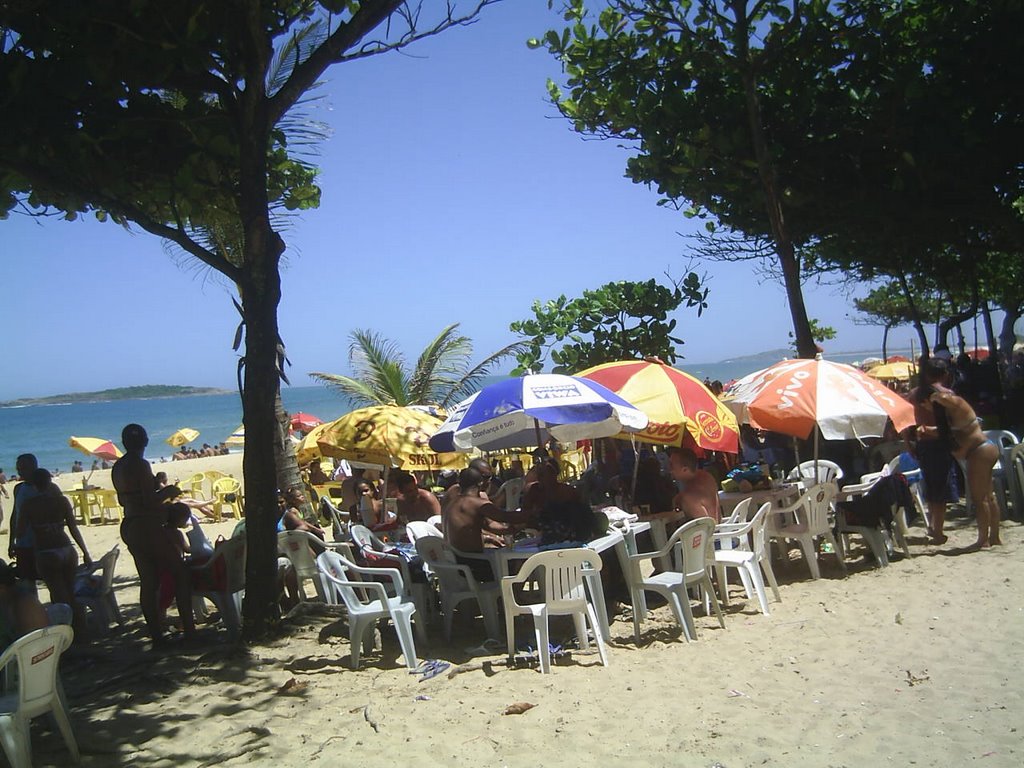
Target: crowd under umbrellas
538, 412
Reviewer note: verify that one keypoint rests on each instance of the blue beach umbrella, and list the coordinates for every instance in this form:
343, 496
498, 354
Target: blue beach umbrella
528, 410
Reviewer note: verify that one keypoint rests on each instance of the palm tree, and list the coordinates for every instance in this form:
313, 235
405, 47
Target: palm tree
442, 374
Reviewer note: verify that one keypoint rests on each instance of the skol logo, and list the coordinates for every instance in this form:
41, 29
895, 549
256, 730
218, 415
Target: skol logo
425, 460
363, 431
709, 425
791, 392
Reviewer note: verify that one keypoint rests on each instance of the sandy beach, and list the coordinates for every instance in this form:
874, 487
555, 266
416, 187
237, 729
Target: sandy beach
913, 664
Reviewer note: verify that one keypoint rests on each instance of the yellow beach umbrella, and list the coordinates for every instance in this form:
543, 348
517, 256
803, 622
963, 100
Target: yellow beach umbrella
96, 446
182, 436
898, 371
388, 435
307, 450
237, 437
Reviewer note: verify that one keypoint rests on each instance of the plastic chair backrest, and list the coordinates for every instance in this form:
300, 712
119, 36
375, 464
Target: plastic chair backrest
335, 568
36, 655
339, 529
417, 529
365, 539
739, 514
757, 528
296, 547
226, 485
1017, 463
232, 552
195, 483
107, 564
818, 501
436, 551
213, 475
692, 546
826, 471
1002, 438
563, 575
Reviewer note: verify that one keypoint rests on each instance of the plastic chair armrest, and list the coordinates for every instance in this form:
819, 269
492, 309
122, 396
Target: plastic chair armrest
365, 586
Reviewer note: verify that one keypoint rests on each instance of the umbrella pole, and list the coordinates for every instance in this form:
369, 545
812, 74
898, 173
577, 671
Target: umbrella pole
816, 433
636, 468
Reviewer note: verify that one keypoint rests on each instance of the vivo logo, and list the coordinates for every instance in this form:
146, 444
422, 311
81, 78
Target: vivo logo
791, 391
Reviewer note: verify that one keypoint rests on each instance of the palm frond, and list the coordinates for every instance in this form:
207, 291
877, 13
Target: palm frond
447, 353
357, 391
470, 381
379, 363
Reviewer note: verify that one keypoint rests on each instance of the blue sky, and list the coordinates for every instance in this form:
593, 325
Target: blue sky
452, 191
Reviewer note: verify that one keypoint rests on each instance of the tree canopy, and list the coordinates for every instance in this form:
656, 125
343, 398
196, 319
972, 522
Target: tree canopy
618, 321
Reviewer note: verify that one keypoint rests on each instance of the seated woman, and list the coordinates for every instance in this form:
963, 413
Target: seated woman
957, 426
47, 515
20, 610
202, 506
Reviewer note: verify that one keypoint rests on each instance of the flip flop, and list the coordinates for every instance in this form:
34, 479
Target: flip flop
434, 669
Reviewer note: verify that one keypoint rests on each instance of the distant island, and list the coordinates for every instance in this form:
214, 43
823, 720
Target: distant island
145, 391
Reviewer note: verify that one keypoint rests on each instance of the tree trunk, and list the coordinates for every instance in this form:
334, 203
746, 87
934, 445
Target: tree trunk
1007, 337
288, 474
948, 324
773, 200
915, 314
885, 343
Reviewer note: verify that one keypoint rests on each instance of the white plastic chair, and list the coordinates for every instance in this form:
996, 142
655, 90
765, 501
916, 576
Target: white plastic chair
366, 602
690, 549
456, 584
811, 510
1015, 465
827, 471
418, 529
339, 528
298, 546
228, 562
36, 655
564, 594
746, 559
1003, 480
372, 548
100, 599
875, 537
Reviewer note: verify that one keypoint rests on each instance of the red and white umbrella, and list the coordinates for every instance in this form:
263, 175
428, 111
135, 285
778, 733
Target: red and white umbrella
792, 396
304, 422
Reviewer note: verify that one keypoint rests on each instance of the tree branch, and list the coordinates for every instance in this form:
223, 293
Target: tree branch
370, 15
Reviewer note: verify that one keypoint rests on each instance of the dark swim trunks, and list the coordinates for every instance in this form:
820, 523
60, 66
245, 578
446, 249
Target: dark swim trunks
937, 472
481, 569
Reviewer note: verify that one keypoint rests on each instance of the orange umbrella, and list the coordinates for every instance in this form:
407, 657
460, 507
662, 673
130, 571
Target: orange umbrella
792, 396
680, 407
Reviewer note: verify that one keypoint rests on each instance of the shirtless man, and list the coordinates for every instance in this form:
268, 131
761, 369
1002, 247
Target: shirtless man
142, 532
547, 490
415, 503
957, 430
470, 517
699, 497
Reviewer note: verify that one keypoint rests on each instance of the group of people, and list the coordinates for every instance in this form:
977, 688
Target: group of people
187, 452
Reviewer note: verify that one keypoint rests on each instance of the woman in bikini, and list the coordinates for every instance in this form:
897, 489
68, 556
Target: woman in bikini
47, 515
957, 425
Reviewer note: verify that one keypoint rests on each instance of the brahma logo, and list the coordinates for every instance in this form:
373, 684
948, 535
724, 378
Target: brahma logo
791, 391
697, 540
709, 425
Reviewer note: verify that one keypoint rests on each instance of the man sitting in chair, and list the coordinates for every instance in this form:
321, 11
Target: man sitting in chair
415, 503
470, 518
699, 496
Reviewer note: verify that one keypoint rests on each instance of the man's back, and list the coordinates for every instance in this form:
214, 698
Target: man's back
464, 520
699, 497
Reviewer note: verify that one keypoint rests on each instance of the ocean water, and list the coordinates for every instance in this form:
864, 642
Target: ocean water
44, 429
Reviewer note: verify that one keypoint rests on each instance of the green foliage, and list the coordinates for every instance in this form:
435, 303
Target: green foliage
442, 374
818, 331
618, 321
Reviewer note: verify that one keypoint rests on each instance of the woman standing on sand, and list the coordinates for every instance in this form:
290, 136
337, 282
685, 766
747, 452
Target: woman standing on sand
142, 530
47, 515
956, 425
